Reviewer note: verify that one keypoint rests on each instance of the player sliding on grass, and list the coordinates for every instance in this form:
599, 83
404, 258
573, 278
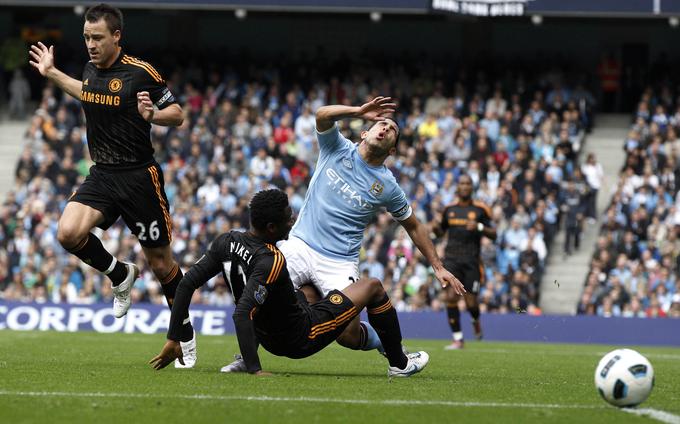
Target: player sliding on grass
350, 185
270, 311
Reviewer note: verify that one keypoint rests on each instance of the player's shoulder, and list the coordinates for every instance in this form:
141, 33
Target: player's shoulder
141, 68
481, 205
273, 262
453, 204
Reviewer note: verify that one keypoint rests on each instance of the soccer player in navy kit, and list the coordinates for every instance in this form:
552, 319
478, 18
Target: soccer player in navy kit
465, 221
270, 312
121, 96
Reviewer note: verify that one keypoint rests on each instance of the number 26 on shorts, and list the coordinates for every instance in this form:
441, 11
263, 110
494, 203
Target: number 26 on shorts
153, 231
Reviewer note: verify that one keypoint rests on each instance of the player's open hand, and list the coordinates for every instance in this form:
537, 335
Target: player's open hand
446, 279
145, 105
43, 58
377, 108
171, 351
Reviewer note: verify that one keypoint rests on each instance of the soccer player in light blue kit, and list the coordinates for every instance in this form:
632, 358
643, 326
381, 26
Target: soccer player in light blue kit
350, 185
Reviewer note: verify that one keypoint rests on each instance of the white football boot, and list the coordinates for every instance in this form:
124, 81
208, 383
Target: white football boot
121, 293
238, 365
416, 362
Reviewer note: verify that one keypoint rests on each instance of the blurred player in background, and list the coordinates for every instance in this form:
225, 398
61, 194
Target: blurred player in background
121, 96
270, 312
465, 222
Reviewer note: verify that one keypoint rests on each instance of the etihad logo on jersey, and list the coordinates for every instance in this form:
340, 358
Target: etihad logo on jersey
100, 99
343, 188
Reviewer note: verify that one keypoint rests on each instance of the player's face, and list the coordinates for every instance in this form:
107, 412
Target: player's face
101, 44
283, 229
382, 137
465, 187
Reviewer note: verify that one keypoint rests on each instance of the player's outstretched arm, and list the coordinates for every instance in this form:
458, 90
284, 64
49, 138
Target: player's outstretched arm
245, 328
371, 111
203, 270
420, 235
43, 61
171, 116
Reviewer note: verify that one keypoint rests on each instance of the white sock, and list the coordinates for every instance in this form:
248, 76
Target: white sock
458, 336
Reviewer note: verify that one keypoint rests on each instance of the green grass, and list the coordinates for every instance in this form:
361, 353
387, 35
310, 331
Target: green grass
101, 378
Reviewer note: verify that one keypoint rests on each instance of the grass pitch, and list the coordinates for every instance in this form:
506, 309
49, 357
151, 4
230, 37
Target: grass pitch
101, 378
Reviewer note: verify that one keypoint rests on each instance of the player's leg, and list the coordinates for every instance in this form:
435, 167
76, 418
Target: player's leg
315, 275
369, 293
471, 301
452, 310
92, 206
144, 208
453, 315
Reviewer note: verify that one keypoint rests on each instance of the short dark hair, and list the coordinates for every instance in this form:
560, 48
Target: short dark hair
464, 174
111, 15
267, 206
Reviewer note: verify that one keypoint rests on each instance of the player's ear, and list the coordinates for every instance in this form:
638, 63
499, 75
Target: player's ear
364, 134
116, 36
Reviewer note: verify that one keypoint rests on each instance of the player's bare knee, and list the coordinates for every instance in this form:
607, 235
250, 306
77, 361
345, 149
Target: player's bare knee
375, 287
69, 235
161, 266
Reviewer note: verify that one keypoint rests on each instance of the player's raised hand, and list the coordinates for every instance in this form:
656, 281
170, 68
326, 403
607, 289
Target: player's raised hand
376, 108
171, 351
447, 279
43, 58
145, 105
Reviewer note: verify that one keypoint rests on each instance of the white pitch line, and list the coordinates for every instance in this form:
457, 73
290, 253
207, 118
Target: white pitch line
651, 355
389, 402
663, 416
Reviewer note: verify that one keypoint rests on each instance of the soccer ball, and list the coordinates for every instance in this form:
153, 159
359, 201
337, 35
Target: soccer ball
624, 378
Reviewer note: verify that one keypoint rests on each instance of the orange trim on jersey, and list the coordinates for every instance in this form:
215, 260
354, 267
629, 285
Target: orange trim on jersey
380, 309
277, 266
146, 66
323, 328
164, 207
252, 312
171, 275
128, 60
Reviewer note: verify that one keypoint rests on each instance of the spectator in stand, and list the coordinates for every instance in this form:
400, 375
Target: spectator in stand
236, 125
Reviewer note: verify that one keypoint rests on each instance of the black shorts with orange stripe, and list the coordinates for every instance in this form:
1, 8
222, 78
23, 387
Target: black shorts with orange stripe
470, 273
327, 319
137, 195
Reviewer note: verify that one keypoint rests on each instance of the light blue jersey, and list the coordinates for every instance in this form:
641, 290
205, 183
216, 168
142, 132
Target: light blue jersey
343, 196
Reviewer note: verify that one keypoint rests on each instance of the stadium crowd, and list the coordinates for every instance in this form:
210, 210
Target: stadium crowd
633, 272
519, 143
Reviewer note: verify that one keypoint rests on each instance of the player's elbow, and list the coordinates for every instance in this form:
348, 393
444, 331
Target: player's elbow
177, 116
